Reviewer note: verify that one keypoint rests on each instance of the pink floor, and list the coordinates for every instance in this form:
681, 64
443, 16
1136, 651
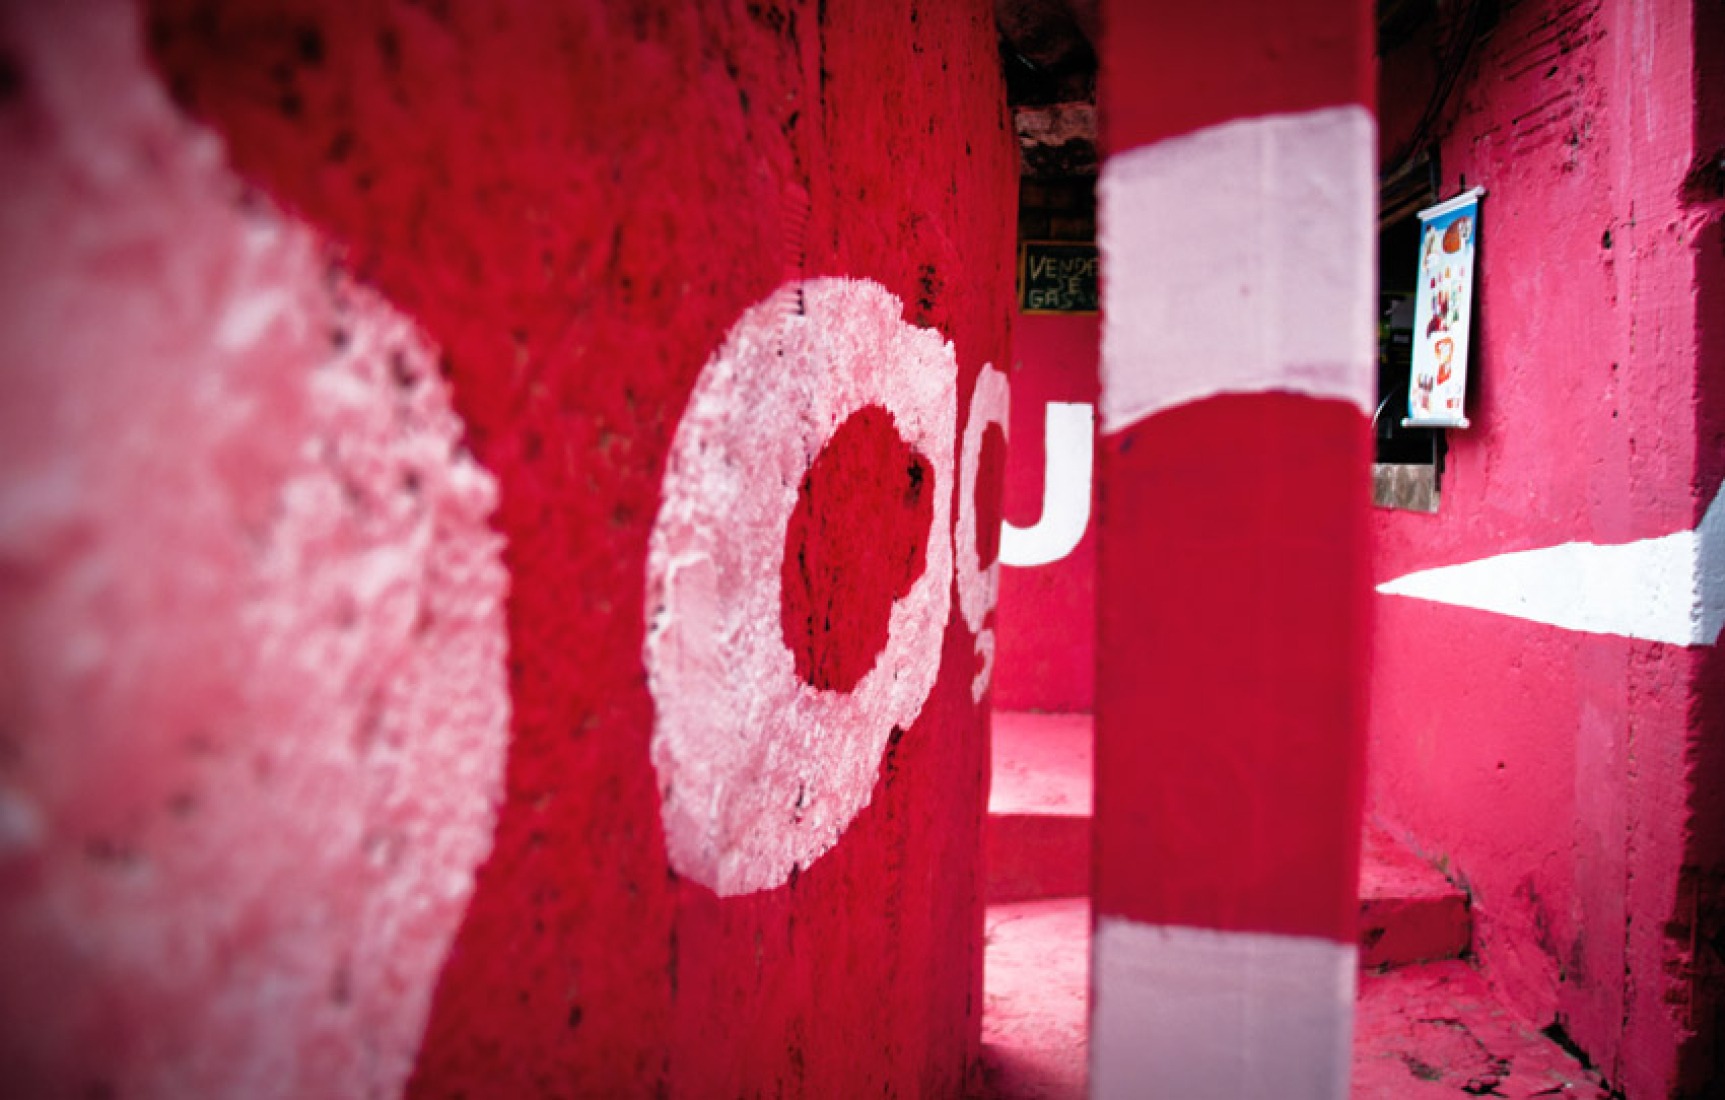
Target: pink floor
1036, 980
1427, 1022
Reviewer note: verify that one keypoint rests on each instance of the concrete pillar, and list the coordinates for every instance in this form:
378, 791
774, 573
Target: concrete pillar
1236, 232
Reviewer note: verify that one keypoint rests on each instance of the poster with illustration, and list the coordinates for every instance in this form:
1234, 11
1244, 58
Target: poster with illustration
1443, 313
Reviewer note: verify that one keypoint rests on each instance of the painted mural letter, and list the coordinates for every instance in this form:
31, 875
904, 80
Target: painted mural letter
978, 566
1067, 443
254, 686
764, 752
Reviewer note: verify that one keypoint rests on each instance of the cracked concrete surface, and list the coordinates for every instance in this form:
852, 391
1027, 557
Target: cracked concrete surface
1437, 1030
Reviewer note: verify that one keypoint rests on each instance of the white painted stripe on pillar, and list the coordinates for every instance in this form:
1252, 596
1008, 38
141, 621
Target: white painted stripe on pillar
1068, 439
1197, 1014
1240, 259
1666, 589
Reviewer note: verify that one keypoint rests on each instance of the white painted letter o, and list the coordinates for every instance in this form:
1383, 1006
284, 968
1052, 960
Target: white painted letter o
759, 772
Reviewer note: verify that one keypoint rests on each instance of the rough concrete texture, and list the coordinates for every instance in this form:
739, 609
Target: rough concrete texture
1042, 764
976, 539
1557, 771
1036, 842
1436, 1030
253, 704
1700, 903
1047, 620
1431, 1030
1034, 1028
577, 201
1408, 911
783, 650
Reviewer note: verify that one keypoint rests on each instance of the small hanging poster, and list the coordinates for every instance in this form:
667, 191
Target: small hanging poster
1443, 313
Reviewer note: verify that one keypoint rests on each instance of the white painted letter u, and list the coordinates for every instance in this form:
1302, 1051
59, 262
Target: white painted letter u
1067, 443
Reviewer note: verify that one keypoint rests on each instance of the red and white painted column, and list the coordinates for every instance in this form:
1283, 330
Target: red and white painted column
1236, 225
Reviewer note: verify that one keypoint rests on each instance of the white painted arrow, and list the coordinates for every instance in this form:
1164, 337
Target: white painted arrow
1666, 589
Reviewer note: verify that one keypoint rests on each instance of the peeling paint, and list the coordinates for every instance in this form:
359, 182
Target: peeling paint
759, 771
252, 618
979, 581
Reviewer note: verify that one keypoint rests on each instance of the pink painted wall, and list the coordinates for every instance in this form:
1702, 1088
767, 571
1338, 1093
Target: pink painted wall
345, 350
1047, 616
1700, 903
1552, 770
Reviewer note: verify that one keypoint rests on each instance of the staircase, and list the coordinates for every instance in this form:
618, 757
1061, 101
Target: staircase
1426, 1023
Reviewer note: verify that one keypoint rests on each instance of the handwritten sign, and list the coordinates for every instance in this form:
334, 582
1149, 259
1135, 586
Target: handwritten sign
1057, 277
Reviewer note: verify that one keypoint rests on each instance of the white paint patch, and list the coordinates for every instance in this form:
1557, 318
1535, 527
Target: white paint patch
1239, 259
1069, 436
1205, 1015
1667, 589
254, 634
760, 773
978, 587
985, 647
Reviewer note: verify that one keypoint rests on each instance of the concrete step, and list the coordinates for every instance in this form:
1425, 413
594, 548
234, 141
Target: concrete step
1036, 978
1427, 1029
1409, 912
1036, 842
1036, 845
1437, 1030
1427, 1022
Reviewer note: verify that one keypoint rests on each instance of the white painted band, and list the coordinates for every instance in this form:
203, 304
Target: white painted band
1069, 451
990, 403
1196, 1014
759, 772
1240, 259
1667, 589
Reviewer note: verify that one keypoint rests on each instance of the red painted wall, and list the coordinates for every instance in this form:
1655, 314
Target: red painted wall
575, 202
1208, 507
1553, 770
1047, 616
